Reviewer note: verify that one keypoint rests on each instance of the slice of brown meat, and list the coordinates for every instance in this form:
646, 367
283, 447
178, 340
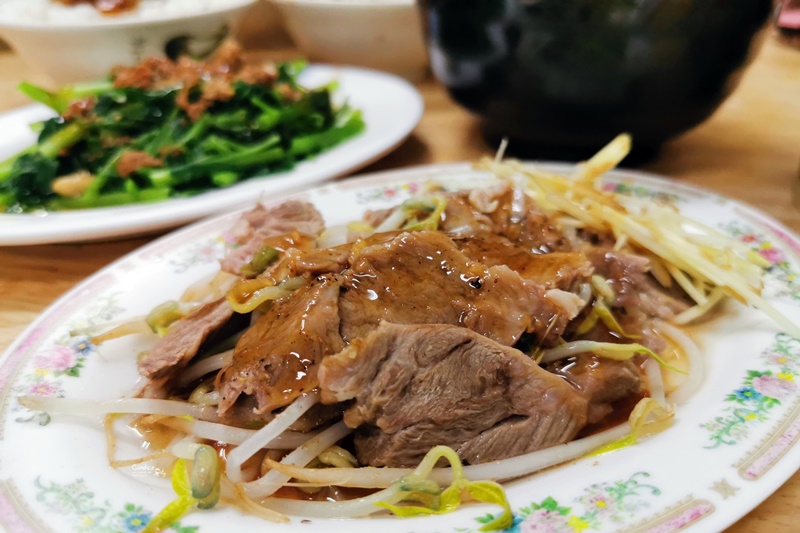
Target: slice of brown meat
261, 223
415, 387
500, 209
521, 221
287, 246
634, 288
276, 359
601, 381
557, 270
315, 262
182, 342
461, 218
638, 295
421, 278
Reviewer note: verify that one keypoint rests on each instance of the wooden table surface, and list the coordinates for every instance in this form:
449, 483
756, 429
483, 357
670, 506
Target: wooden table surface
749, 150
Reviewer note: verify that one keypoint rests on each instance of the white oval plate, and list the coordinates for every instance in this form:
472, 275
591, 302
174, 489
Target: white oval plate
391, 108
731, 446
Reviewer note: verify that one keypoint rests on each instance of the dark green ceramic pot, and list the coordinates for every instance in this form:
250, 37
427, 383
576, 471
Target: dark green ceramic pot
563, 77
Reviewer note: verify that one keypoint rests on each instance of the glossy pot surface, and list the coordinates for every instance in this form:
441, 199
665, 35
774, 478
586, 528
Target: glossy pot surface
563, 77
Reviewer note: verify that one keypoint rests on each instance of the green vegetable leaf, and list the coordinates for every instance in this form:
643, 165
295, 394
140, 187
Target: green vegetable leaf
30, 180
259, 130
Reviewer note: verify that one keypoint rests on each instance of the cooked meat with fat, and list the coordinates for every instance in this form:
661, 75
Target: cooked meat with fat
521, 221
498, 210
639, 297
417, 386
276, 359
601, 381
557, 270
184, 339
461, 218
421, 278
315, 262
634, 288
261, 223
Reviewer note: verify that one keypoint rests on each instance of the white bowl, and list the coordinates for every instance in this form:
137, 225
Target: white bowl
70, 50
379, 34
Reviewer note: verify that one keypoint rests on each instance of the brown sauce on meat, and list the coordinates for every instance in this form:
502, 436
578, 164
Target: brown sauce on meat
621, 411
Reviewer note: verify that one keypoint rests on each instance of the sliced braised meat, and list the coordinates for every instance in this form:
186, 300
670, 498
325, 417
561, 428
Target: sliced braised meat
319, 415
264, 222
487, 199
461, 218
276, 359
415, 387
184, 339
289, 246
640, 297
245, 413
421, 278
506, 212
375, 217
634, 288
601, 381
520, 220
315, 262
501, 210
557, 270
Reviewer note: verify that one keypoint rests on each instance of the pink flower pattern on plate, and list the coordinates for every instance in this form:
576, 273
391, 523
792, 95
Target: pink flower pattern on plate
773, 255
774, 386
43, 388
782, 274
62, 357
763, 393
58, 359
599, 506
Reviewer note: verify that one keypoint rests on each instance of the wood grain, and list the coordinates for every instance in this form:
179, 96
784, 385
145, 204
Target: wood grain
749, 150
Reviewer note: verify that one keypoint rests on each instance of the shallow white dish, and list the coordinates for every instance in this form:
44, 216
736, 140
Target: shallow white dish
76, 43
380, 34
391, 108
733, 443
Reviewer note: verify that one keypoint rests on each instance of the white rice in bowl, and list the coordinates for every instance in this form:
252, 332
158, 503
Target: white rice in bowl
51, 12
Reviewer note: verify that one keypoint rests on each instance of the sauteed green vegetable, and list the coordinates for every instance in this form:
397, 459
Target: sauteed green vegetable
165, 129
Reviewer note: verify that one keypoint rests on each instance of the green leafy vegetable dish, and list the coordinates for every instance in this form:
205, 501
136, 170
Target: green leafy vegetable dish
163, 129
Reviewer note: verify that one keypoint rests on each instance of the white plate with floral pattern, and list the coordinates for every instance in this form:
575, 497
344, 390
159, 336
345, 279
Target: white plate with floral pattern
391, 108
733, 443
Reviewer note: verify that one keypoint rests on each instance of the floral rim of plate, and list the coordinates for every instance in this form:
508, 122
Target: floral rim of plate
743, 422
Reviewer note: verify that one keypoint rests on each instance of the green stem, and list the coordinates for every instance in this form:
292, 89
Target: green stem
64, 138
50, 148
84, 89
102, 177
110, 199
60, 100
259, 154
316, 142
